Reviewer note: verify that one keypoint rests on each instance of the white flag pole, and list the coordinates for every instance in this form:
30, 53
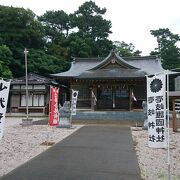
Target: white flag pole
168, 130
26, 74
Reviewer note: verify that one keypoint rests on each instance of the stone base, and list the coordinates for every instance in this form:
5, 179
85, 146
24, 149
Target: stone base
64, 126
64, 122
145, 127
27, 122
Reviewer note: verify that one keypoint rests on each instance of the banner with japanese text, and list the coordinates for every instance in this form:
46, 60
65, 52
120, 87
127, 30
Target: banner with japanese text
4, 93
54, 112
74, 102
156, 111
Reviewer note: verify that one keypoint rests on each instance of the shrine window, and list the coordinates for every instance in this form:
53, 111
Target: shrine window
84, 93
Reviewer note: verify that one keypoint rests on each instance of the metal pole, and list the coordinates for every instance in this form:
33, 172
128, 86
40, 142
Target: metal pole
50, 101
27, 110
168, 133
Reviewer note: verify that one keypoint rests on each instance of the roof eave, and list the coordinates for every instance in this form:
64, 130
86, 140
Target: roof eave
111, 78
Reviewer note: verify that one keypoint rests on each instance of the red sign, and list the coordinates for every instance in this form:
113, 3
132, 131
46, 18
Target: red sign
54, 112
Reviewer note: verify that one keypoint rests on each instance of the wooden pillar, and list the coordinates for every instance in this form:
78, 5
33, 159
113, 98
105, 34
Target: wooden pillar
174, 121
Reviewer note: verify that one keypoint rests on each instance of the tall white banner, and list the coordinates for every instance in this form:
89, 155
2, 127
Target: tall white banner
156, 111
74, 102
4, 92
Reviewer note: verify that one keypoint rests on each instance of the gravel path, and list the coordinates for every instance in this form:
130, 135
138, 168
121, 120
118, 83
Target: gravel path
20, 144
153, 162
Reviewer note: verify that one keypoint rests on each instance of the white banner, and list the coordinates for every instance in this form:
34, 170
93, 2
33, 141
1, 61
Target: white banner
156, 111
74, 102
4, 92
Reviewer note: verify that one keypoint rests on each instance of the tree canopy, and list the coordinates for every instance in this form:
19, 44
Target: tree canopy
90, 23
53, 38
126, 50
19, 29
5, 60
167, 48
83, 33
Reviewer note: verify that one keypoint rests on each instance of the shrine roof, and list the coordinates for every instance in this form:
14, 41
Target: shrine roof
112, 74
32, 79
112, 66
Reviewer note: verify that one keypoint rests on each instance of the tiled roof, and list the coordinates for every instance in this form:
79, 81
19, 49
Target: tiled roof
128, 67
112, 74
32, 79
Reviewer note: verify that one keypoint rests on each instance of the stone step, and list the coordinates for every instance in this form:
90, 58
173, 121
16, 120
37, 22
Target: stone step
108, 115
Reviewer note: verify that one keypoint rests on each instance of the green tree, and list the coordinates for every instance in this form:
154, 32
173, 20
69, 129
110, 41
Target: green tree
41, 63
82, 34
167, 48
19, 28
5, 59
89, 21
126, 50
92, 29
52, 38
55, 23
79, 46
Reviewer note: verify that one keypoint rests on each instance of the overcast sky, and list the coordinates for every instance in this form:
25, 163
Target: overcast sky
131, 20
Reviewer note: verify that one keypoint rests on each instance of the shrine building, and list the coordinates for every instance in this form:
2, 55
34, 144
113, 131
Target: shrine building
110, 83
38, 94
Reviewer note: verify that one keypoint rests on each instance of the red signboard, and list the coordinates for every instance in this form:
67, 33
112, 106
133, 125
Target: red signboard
54, 112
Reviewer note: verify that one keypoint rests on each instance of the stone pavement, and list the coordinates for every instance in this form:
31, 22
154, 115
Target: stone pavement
91, 153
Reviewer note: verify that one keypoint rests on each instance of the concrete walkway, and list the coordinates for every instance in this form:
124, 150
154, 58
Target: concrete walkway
91, 153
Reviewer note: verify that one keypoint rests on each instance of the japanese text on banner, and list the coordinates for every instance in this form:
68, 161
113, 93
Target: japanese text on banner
4, 92
156, 111
74, 102
54, 112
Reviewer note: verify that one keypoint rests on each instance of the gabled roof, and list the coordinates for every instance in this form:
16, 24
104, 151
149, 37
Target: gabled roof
32, 79
113, 66
114, 59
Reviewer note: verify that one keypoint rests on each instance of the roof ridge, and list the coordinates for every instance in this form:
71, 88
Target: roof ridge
141, 57
88, 59
123, 57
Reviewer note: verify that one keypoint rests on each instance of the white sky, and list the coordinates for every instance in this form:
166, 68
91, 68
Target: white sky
131, 20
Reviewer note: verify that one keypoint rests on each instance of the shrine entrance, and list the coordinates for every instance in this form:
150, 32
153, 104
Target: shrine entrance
113, 97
